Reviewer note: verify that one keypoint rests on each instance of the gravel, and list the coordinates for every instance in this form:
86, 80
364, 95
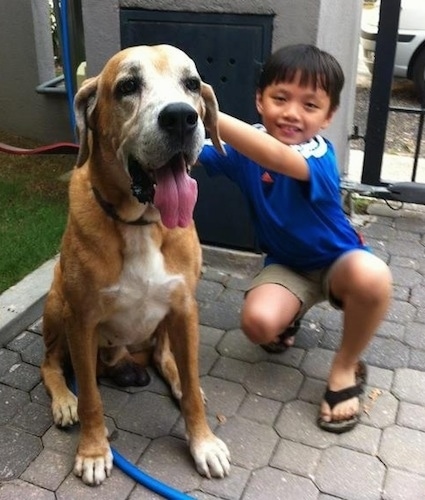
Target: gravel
402, 128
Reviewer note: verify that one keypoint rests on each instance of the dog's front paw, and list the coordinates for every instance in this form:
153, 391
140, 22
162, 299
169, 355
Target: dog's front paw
93, 470
64, 410
212, 457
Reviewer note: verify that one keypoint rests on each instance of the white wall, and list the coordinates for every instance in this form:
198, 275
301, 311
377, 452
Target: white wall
339, 27
26, 60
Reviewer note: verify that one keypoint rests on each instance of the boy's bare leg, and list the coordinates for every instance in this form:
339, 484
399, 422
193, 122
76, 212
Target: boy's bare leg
363, 283
268, 310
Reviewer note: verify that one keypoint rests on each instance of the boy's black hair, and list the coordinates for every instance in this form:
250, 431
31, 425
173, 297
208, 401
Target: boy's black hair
315, 67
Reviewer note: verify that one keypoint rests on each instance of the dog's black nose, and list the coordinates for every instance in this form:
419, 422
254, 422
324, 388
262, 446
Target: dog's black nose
178, 119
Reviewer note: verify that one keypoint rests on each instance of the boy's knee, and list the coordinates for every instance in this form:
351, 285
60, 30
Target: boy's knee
379, 280
366, 276
375, 285
259, 329
251, 327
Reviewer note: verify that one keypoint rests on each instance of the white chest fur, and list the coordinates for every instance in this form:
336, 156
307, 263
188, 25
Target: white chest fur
141, 298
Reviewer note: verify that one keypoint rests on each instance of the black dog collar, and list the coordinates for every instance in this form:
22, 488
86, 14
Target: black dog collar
110, 210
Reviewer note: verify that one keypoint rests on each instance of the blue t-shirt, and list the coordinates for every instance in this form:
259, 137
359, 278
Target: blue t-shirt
299, 224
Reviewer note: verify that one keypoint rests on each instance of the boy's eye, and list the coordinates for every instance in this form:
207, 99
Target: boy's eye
311, 105
280, 98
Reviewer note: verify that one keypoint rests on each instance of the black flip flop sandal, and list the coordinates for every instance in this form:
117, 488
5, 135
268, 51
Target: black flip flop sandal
335, 397
279, 346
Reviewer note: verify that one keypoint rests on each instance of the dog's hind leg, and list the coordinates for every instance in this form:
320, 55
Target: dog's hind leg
166, 363
64, 402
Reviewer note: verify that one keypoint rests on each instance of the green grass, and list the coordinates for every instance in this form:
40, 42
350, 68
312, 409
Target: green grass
361, 205
33, 208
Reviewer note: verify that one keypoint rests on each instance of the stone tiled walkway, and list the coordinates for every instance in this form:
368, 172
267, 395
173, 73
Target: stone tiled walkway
264, 406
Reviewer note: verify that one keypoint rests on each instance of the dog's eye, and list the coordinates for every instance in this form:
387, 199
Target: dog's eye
127, 86
193, 84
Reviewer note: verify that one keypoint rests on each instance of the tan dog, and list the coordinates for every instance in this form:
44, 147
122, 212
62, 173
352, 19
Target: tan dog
125, 278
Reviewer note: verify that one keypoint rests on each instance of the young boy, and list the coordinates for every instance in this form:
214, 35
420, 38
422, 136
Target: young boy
290, 178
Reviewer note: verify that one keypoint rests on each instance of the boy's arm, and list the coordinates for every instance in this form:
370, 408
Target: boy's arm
262, 148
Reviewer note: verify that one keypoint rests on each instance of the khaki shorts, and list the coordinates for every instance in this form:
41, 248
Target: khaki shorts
309, 287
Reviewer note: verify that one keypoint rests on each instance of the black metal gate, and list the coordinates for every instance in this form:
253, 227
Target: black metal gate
379, 109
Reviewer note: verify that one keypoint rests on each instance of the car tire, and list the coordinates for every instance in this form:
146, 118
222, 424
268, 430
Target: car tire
418, 75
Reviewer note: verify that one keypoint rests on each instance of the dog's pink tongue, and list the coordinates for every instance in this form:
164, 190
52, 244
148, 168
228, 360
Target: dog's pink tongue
175, 195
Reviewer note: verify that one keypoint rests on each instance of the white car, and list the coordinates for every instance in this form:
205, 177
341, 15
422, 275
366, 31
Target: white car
410, 53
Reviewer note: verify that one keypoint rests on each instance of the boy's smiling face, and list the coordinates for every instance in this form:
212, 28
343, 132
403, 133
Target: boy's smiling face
294, 113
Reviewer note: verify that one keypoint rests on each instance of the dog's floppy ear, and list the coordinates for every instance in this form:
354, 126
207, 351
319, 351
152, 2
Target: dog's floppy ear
84, 103
211, 115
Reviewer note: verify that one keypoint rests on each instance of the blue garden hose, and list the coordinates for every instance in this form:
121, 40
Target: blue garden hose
146, 480
66, 61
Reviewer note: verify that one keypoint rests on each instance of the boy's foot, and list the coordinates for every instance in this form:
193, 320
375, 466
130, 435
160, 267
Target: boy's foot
285, 339
333, 398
